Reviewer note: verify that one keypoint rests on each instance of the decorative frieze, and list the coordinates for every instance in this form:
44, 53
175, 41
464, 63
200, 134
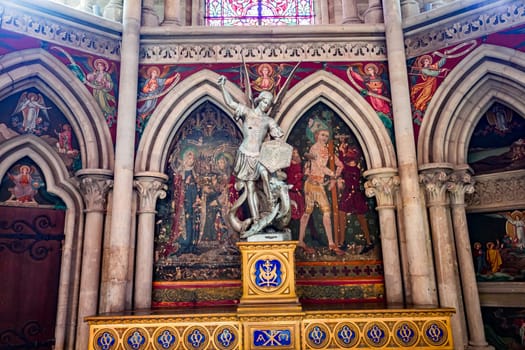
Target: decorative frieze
498, 191
63, 27
481, 20
207, 50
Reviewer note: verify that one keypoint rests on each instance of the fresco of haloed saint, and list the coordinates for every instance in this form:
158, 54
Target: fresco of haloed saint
331, 216
193, 239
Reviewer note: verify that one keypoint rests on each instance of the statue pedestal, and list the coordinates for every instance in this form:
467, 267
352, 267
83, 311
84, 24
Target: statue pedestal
268, 277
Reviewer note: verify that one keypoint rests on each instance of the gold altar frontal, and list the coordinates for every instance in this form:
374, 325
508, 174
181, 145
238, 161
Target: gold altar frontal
269, 316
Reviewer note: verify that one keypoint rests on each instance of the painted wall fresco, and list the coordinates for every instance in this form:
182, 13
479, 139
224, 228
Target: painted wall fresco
196, 259
498, 141
24, 186
330, 191
498, 245
427, 72
504, 327
30, 112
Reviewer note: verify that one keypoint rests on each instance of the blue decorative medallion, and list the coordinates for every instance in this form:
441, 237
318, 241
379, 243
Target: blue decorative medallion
405, 334
346, 335
226, 338
375, 334
196, 338
136, 340
166, 339
272, 337
268, 273
435, 333
105, 341
317, 336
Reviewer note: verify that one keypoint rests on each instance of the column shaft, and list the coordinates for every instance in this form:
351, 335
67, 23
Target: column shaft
383, 184
460, 183
149, 187
94, 189
172, 13
124, 156
418, 253
350, 13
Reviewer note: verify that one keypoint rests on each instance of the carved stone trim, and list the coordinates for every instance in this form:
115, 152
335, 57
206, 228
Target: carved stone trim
491, 17
94, 186
498, 191
330, 43
382, 184
150, 188
63, 26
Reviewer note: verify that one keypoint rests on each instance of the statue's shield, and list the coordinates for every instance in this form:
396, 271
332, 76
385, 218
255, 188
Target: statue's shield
275, 155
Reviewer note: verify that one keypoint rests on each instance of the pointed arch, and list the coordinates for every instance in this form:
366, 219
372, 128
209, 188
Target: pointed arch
50, 76
489, 74
347, 103
171, 113
59, 183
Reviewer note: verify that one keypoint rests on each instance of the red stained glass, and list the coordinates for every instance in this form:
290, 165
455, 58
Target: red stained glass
258, 12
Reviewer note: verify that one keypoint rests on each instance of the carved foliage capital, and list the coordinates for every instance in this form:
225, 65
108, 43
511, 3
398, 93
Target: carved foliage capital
149, 189
383, 187
460, 183
434, 182
94, 189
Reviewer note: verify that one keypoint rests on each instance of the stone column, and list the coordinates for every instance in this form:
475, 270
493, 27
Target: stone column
409, 8
434, 178
459, 183
113, 10
94, 184
120, 229
418, 253
350, 13
149, 16
172, 13
150, 187
383, 184
374, 13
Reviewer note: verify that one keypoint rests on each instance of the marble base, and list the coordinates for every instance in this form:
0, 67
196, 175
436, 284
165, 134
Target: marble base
270, 237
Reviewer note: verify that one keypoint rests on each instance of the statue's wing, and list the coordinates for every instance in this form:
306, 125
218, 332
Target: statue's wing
280, 95
245, 76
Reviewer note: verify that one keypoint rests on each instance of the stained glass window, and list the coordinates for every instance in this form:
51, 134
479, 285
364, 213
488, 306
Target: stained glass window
258, 12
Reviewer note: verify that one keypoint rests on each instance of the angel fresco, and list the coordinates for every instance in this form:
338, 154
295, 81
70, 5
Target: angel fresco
33, 109
99, 80
424, 75
155, 85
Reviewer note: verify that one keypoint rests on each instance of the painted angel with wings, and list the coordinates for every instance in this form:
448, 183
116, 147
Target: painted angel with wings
369, 80
251, 174
32, 107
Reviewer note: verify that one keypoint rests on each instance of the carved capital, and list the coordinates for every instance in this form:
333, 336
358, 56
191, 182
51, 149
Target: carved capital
95, 185
382, 184
433, 178
150, 187
460, 183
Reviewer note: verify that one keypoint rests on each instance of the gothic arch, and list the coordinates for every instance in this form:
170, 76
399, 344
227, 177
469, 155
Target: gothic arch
43, 71
59, 183
347, 103
489, 74
172, 111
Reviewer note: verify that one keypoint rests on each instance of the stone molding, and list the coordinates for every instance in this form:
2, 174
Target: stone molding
483, 18
63, 26
499, 191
